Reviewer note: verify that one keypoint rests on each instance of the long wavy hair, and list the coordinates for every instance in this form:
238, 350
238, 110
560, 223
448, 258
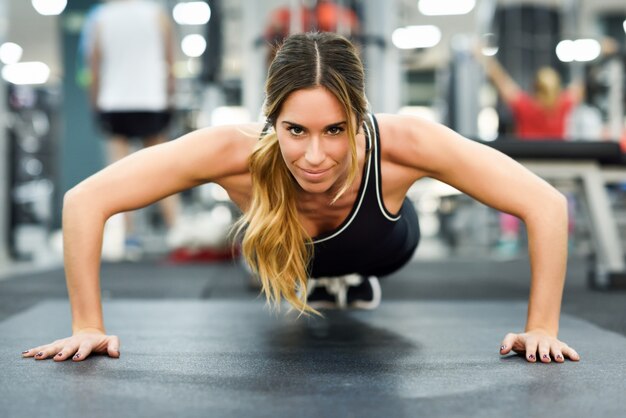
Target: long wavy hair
274, 244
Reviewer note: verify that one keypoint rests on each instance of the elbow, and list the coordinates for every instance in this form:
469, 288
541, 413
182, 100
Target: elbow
77, 197
71, 200
556, 205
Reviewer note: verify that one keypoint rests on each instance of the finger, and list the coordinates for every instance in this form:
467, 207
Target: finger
507, 343
571, 353
66, 352
30, 352
113, 348
557, 354
531, 350
83, 352
46, 352
544, 352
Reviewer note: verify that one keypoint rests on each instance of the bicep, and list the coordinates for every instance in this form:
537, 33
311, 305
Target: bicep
156, 172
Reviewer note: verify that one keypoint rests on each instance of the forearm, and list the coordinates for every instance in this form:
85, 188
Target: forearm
547, 236
82, 242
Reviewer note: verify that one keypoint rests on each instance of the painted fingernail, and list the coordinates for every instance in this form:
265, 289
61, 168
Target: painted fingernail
558, 356
59, 354
503, 347
77, 356
532, 356
25, 351
39, 354
545, 356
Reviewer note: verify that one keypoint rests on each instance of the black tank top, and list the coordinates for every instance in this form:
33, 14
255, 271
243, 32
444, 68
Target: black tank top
370, 241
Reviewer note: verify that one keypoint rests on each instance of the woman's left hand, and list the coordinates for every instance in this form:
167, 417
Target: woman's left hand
538, 344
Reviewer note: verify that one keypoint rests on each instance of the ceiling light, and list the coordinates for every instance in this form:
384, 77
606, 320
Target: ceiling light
193, 45
411, 37
445, 8
581, 50
192, 13
26, 73
10, 53
49, 7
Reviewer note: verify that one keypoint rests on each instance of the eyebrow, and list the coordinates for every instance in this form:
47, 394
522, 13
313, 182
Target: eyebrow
326, 127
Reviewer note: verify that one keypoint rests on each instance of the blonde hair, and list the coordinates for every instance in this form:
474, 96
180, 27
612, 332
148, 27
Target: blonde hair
547, 87
274, 243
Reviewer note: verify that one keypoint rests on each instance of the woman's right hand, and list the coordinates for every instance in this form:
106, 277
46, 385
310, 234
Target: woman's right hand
77, 347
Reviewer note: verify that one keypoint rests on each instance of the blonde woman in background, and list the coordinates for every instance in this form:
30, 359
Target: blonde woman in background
323, 192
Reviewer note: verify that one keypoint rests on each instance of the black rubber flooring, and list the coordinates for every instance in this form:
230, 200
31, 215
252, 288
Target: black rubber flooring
197, 342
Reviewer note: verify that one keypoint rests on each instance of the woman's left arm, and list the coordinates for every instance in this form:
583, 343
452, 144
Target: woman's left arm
500, 182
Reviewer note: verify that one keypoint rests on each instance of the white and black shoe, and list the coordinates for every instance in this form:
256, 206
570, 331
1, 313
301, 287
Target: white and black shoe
365, 295
352, 291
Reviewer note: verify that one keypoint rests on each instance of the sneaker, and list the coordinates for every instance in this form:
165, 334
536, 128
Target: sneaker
364, 295
322, 293
349, 291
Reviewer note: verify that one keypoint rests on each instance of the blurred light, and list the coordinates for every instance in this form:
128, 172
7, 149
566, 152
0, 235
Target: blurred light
411, 37
445, 8
586, 49
193, 67
192, 13
193, 45
490, 51
624, 25
10, 53
49, 7
229, 115
33, 167
26, 73
565, 51
488, 122
579, 50
420, 111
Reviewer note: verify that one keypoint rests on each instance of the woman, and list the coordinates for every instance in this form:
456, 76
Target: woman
301, 188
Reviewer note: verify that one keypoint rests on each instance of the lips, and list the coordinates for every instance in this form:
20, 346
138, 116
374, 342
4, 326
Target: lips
313, 174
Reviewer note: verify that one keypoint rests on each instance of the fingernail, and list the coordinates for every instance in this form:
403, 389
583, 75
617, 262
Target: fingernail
503, 347
25, 351
545, 356
532, 357
77, 356
559, 356
59, 354
39, 354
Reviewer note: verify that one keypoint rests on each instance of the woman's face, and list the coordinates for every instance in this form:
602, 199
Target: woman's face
313, 138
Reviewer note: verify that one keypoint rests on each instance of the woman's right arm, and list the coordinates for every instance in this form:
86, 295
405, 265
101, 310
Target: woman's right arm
136, 181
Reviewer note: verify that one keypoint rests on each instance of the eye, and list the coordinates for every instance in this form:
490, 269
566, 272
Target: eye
295, 130
335, 130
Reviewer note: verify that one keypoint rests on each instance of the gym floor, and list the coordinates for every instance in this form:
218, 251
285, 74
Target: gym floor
196, 341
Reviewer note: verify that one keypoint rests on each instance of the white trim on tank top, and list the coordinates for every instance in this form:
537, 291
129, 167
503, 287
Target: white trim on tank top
379, 191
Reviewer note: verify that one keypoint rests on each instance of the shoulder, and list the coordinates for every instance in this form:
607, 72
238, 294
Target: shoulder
405, 140
217, 152
423, 146
401, 133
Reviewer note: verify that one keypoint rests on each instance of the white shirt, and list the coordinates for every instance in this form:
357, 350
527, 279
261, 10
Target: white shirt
133, 69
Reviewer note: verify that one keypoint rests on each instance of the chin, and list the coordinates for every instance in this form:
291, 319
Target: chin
310, 187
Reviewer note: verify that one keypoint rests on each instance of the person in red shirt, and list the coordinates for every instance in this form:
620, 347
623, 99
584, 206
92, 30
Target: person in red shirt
541, 114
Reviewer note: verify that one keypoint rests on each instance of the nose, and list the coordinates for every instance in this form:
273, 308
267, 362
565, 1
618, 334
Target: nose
314, 154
